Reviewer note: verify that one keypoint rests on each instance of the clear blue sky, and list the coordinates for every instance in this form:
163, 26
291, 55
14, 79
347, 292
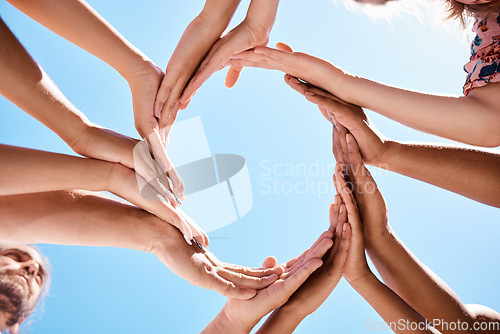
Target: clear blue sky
101, 290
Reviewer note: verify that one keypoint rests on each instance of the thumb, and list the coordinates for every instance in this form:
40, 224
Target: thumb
270, 262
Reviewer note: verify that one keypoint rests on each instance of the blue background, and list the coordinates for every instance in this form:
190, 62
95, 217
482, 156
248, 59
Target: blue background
103, 290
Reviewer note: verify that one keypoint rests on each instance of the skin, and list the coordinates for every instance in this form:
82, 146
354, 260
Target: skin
83, 218
468, 172
239, 316
472, 119
398, 267
26, 263
27, 171
26, 78
202, 51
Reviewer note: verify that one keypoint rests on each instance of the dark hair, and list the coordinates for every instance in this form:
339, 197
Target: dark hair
462, 12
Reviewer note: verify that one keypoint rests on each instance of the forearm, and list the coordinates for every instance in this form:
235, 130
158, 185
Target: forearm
26, 171
421, 288
26, 84
217, 14
221, 324
473, 120
80, 24
78, 218
471, 173
396, 312
283, 320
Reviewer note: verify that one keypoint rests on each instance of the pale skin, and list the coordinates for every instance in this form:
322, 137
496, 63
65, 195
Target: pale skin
399, 268
27, 171
24, 77
83, 218
202, 51
468, 172
298, 281
473, 119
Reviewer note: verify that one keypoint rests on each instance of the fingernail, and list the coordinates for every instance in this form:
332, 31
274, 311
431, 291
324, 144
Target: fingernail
348, 140
310, 93
347, 190
344, 227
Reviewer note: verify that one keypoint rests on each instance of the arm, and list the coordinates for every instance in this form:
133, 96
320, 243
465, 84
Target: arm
468, 172
399, 268
252, 32
241, 316
320, 284
87, 219
28, 171
392, 308
473, 119
69, 19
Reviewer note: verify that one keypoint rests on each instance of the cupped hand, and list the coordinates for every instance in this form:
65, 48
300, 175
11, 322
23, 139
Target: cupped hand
201, 268
345, 117
243, 37
244, 314
370, 201
321, 283
356, 266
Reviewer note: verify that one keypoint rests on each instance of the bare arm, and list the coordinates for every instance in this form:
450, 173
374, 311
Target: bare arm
83, 218
474, 119
27, 171
468, 172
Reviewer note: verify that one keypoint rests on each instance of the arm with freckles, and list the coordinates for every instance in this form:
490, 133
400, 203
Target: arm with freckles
473, 119
472, 173
77, 217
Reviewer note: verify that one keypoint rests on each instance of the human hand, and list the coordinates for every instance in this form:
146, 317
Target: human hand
373, 146
314, 70
248, 34
124, 182
371, 203
242, 315
144, 82
321, 283
355, 267
200, 267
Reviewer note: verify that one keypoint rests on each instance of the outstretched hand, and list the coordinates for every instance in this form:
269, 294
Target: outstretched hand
352, 119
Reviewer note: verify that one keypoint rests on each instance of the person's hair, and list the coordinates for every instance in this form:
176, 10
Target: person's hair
462, 12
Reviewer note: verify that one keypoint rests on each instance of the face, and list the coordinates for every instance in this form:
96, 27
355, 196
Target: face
22, 277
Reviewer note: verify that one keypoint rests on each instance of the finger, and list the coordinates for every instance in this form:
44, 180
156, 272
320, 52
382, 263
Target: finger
255, 272
166, 88
341, 220
343, 249
284, 47
197, 233
334, 213
233, 74
337, 152
292, 282
229, 289
342, 132
300, 259
279, 55
270, 262
317, 252
244, 281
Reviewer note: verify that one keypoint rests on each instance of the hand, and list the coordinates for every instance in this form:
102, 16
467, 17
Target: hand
194, 44
245, 36
243, 315
311, 69
321, 283
124, 182
356, 266
104, 144
373, 146
371, 203
203, 269
144, 82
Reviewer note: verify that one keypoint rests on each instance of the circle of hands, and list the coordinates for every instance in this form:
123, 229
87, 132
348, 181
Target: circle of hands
306, 280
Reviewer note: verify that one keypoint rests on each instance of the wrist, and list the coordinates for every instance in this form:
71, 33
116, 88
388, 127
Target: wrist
362, 281
385, 160
223, 323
